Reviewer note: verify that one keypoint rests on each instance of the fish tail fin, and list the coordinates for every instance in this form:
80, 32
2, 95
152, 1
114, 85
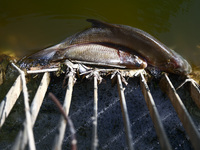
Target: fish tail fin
42, 57
46, 54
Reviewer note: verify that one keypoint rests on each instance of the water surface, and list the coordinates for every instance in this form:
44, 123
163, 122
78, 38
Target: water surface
27, 26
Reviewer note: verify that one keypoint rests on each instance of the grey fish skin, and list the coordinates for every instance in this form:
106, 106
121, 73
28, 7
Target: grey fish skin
42, 57
100, 54
156, 53
94, 53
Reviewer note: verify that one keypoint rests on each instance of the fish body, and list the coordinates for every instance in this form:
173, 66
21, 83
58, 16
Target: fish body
101, 54
114, 36
93, 53
156, 53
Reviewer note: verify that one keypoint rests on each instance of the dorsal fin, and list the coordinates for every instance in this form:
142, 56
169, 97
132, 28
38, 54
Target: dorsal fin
99, 24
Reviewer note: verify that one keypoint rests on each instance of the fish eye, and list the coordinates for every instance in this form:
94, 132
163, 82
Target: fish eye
177, 72
169, 65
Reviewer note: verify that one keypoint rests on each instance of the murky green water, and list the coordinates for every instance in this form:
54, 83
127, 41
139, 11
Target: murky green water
26, 26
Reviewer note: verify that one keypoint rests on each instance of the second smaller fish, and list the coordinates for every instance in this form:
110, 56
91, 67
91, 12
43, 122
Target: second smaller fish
102, 55
94, 53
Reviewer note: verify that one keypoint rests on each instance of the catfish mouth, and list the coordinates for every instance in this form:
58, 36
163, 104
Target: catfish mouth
184, 68
179, 66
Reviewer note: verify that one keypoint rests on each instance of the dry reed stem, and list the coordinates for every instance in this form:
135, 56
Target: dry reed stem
67, 118
27, 110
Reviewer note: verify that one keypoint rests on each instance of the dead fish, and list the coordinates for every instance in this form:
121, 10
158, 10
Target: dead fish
113, 35
156, 53
102, 55
94, 53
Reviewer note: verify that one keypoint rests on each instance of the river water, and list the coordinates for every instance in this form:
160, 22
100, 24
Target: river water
28, 26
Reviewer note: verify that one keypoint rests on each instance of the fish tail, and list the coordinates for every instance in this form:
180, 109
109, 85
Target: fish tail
42, 58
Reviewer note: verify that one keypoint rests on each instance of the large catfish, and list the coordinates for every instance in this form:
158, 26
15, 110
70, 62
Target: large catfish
132, 39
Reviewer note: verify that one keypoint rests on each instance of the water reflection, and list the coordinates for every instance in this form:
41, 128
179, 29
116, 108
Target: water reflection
27, 26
